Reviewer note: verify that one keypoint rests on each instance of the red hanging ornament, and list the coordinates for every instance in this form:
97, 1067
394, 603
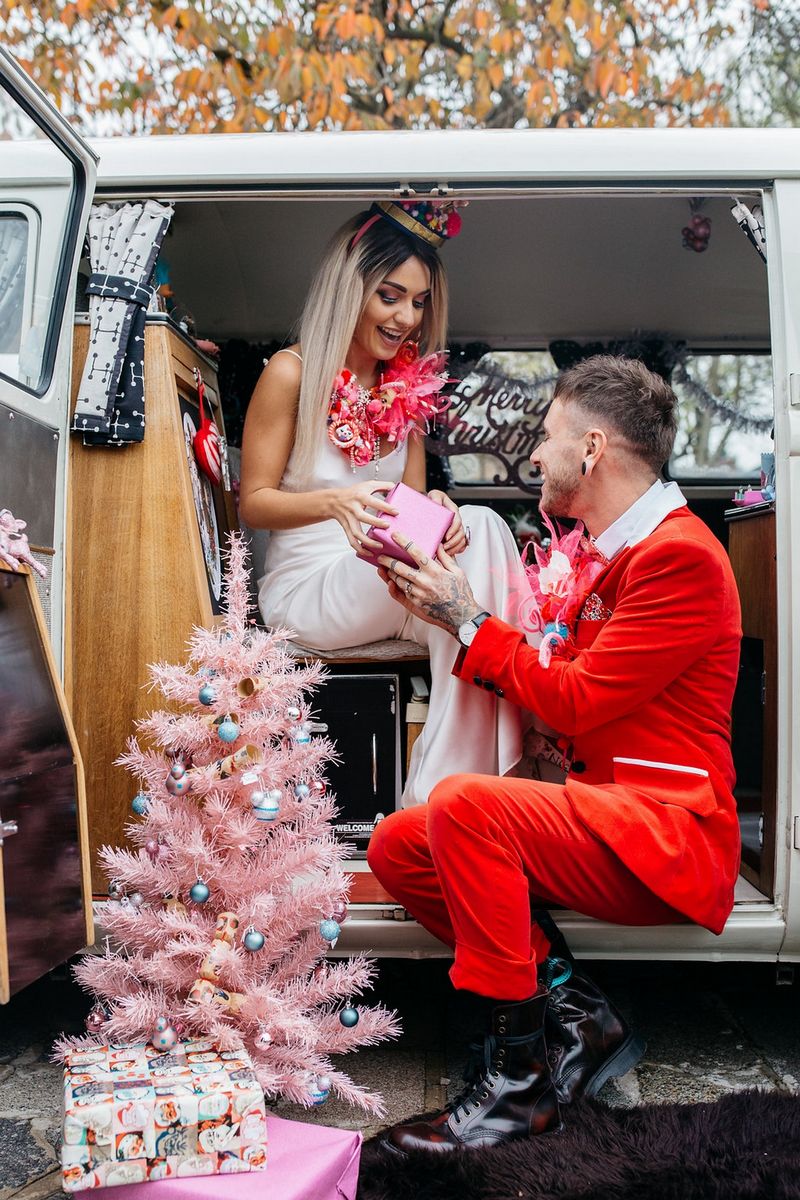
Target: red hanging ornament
206, 443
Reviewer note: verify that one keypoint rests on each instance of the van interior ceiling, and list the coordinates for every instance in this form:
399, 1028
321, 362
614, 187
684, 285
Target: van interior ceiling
526, 272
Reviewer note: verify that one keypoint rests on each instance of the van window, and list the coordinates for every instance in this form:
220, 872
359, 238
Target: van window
14, 234
37, 198
726, 416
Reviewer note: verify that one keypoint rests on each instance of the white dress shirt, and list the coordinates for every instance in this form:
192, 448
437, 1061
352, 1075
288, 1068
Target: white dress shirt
639, 521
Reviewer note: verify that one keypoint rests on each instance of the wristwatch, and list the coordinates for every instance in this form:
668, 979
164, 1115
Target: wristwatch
466, 632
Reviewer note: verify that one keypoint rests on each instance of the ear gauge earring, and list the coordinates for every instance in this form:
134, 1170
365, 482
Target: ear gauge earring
583, 467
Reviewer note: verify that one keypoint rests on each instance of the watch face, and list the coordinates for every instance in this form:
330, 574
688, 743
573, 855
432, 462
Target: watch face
466, 633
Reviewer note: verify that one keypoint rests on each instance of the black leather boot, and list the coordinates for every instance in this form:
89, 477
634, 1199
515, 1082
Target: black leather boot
513, 1097
588, 1041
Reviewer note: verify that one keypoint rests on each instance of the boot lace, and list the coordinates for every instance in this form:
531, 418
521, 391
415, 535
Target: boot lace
484, 1068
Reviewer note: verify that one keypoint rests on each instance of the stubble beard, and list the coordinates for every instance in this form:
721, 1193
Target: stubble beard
559, 493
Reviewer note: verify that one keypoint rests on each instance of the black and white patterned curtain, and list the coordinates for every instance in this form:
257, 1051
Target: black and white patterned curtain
124, 241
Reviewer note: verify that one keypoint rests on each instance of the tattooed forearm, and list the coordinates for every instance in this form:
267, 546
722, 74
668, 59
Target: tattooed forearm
455, 606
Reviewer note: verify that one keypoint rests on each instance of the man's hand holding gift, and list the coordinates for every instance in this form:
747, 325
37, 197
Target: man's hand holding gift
436, 590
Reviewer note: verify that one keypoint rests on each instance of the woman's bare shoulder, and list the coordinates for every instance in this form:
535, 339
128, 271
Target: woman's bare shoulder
279, 382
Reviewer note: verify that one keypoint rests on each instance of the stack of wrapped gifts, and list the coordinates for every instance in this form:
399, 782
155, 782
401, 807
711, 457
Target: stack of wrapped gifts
133, 1114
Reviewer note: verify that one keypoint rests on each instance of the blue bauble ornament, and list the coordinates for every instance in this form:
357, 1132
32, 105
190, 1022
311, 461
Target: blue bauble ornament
140, 804
206, 695
302, 791
253, 940
228, 730
349, 1017
329, 930
199, 892
265, 806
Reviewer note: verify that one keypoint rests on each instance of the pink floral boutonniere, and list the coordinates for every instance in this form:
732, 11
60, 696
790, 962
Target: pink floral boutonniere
559, 578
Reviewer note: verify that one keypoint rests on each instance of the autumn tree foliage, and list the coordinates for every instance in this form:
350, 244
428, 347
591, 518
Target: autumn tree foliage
246, 65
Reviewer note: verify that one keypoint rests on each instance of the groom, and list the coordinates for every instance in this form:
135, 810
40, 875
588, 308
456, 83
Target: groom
644, 830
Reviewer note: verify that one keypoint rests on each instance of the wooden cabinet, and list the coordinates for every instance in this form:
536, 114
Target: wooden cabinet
145, 536
751, 546
45, 894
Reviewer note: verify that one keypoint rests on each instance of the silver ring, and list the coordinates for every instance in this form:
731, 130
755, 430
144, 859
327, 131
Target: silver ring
409, 588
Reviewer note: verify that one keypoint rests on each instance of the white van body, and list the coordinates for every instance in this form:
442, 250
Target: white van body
246, 274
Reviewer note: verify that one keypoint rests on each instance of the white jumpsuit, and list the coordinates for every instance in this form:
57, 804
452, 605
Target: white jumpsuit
315, 585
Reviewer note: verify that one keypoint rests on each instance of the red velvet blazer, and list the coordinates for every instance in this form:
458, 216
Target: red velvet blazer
645, 707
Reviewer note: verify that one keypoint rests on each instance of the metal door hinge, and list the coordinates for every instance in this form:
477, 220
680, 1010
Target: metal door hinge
763, 688
7, 830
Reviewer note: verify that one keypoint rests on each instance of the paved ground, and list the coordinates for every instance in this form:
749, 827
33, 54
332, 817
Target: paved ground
710, 1029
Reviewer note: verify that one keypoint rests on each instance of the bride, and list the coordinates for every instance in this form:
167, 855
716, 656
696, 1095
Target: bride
327, 436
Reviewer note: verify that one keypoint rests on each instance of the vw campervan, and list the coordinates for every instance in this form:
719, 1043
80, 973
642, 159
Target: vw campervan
572, 237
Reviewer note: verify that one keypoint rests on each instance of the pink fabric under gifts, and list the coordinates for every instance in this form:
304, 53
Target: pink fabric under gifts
304, 1162
422, 519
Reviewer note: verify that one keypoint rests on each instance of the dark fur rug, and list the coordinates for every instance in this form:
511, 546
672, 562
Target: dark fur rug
745, 1146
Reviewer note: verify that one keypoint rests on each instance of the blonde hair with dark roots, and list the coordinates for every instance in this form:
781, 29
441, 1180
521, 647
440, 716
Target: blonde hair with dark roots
344, 282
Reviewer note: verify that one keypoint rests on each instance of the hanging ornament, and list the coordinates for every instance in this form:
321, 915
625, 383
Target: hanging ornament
264, 1038
178, 782
164, 1036
318, 787
253, 940
302, 791
317, 1091
329, 930
136, 899
207, 694
349, 1017
301, 734
179, 1027
697, 234
339, 911
199, 892
115, 890
293, 713
206, 442
266, 806
228, 730
95, 1020
151, 849
140, 804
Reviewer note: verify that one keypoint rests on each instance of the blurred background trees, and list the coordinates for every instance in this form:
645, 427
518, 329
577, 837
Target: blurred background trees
125, 66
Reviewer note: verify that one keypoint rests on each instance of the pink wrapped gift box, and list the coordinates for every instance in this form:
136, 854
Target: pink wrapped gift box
306, 1162
133, 1114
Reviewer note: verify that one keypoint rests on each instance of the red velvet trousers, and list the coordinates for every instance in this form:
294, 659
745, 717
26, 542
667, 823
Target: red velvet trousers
468, 864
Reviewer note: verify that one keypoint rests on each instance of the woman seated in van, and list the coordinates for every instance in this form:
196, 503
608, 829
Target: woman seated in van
316, 475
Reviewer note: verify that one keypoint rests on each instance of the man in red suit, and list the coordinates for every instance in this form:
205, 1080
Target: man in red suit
644, 829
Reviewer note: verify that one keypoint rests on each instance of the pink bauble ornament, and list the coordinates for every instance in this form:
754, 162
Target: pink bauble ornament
339, 911
95, 1020
151, 848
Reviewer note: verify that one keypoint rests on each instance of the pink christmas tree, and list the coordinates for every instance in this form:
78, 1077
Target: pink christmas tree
222, 913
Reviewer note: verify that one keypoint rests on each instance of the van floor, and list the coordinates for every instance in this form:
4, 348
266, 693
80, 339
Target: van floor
710, 1028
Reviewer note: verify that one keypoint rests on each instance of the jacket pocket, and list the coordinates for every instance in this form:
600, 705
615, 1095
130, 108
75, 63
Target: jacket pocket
668, 783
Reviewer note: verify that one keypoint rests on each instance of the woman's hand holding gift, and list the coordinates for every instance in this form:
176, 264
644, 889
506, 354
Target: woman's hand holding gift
351, 508
456, 538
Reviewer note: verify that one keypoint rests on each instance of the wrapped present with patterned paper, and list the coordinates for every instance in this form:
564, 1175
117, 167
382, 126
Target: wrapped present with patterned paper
133, 1114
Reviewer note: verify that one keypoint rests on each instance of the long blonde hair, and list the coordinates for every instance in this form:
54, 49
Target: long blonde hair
344, 282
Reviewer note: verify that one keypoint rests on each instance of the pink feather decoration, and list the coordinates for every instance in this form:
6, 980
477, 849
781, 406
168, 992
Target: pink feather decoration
560, 579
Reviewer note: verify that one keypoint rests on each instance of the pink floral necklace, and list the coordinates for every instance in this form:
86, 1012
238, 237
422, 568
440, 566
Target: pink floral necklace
406, 397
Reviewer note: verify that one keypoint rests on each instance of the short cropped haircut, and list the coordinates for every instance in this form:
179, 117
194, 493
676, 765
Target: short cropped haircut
639, 404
